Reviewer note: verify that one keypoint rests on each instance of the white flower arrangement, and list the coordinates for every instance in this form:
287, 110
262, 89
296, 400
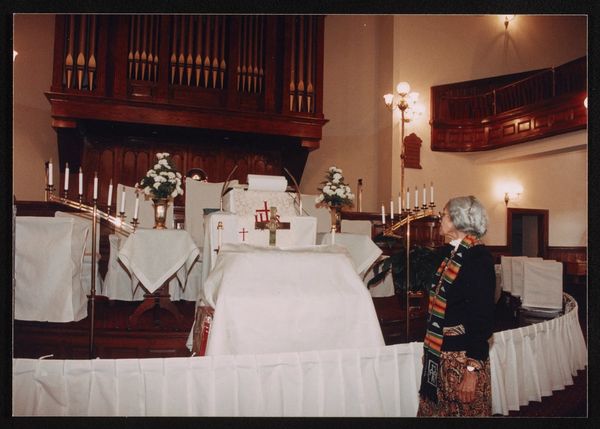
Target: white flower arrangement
335, 193
163, 180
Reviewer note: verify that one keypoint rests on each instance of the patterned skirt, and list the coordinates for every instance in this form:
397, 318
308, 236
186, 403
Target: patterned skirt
452, 367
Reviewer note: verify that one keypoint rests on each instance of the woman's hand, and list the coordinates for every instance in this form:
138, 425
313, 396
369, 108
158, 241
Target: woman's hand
466, 388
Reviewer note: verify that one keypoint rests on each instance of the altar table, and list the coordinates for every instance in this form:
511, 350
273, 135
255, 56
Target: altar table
270, 300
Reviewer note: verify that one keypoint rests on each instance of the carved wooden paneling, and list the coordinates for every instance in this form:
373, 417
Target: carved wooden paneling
504, 110
412, 154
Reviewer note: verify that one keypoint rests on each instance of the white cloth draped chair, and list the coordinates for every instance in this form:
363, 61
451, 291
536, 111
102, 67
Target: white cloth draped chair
321, 213
542, 285
517, 263
48, 269
86, 268
526, 364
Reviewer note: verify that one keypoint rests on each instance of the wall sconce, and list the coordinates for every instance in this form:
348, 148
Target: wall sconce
507, 20
511, 196
585, 102
410, 109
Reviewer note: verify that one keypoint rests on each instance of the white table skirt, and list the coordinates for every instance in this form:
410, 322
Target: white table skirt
527, 363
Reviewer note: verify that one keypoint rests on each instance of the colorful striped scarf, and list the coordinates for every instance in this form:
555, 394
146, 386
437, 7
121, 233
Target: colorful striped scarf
432, 345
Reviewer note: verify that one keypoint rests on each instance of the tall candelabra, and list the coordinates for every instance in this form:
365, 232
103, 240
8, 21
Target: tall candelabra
89, 211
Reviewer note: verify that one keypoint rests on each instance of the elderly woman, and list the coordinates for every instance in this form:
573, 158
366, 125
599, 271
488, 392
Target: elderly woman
456, 370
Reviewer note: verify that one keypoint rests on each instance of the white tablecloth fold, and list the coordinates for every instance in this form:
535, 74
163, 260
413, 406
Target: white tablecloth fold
153, 256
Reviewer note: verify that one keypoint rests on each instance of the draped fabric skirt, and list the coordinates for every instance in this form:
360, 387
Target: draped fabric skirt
452, 367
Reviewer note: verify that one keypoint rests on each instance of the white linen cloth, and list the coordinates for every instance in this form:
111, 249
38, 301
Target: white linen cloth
262, 182
118, 283
506, 264
200, 196
48, 260
273, 301
302, 232
384, 288
86, 268
246, 202
363, 251
152, 256
542, 284
517, 263
526, 364
320, 213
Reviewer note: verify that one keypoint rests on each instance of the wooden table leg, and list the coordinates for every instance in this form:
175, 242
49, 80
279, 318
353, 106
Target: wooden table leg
159, 299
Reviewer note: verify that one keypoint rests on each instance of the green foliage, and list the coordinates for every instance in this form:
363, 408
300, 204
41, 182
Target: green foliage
423, 263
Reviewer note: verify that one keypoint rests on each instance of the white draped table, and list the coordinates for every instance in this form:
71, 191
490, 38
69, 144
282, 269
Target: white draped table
152, 256
527, 363
270, 300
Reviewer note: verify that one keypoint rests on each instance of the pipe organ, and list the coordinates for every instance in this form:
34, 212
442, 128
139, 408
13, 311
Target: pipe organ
214, 90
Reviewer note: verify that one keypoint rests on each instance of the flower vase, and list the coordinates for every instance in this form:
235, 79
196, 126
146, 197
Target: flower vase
160, 212
336, 218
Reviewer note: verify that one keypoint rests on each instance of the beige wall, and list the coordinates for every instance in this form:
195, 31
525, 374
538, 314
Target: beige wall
364, 57
34, 140
433, 50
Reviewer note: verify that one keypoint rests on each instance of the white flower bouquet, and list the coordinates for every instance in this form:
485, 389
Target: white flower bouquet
335, 193
161, 181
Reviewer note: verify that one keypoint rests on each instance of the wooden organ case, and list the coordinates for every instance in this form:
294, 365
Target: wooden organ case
213, 90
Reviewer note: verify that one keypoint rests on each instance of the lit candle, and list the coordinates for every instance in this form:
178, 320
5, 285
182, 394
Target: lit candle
431, 193
408, 199
67, 176
333, 234
137, 206
50, 182
95, 185
416, 197
219, 237
123, 200
424, 195
80, 181
391, 209
383, 214
399, 203
110, 188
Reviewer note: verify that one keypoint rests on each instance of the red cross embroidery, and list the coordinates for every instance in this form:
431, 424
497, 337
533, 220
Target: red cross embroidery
244, 231
262, 215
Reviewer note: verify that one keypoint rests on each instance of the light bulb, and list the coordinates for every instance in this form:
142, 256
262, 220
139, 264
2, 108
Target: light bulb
388, 98
403, 88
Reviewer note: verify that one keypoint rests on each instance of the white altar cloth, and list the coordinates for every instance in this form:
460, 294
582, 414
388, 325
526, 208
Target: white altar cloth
152, 256
302, 232
526, 364
48, 261
246, 202
362, 249
273, 301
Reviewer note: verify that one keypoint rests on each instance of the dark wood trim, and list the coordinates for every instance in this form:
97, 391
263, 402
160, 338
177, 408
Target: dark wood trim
542, 215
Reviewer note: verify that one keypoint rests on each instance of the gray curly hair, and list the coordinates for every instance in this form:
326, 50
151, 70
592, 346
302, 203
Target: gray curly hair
468, 215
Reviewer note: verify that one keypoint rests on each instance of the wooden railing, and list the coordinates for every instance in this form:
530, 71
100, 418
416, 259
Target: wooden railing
503, 110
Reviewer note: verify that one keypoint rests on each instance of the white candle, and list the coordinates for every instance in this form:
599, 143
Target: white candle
333, 234
95, 185
408, 199
399, 204
110, 188
219, 228
416, 197
391, 209
300, 207
431, 193
424, 195
383, 214
50, 182
123, 200
80, 181
137, 206
67, 176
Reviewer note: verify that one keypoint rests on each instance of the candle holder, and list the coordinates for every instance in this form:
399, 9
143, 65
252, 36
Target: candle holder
134, 222
48, 191
65, 194
80, 198
108, 210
